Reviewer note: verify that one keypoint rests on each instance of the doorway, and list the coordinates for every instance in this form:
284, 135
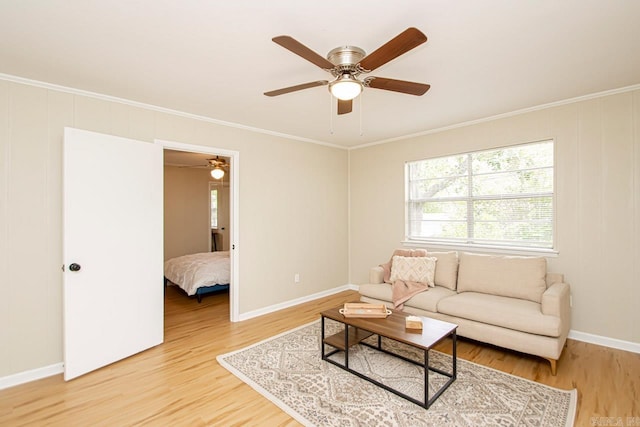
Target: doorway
200, 154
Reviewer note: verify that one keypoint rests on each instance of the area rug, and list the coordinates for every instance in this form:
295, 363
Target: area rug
288, 370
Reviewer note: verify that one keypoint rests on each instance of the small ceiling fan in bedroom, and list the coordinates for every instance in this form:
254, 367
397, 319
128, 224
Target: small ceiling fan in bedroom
347, 63
218, 167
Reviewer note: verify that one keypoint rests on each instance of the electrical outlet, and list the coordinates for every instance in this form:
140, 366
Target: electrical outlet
296, 278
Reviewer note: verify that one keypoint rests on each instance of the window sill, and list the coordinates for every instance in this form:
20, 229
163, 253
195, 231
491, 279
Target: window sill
550, 253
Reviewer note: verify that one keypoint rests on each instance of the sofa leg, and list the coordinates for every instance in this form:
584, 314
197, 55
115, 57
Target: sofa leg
554, 368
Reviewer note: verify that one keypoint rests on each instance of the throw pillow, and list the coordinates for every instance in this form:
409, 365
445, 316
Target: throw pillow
386, 267
413, 269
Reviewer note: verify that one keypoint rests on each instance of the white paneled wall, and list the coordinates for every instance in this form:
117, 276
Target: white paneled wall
298, 217
5, 303
597, 203
275, 240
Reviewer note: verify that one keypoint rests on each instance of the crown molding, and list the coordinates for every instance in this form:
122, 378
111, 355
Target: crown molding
109, 98
503, 115
95, 95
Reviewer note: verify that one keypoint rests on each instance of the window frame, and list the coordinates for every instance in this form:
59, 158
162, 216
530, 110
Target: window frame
446, 244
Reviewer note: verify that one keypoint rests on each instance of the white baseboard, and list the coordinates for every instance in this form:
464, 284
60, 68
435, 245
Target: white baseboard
633, 347
291, 303
575, 335
58, 368
32, 375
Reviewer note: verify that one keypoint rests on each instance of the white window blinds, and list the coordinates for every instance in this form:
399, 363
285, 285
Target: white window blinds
500, 197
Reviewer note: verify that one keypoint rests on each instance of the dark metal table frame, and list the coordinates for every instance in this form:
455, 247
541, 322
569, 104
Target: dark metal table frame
427, 402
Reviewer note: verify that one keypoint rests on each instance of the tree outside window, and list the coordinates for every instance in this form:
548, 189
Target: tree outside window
501, 197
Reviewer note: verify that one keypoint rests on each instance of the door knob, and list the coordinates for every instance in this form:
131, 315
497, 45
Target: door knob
75, 267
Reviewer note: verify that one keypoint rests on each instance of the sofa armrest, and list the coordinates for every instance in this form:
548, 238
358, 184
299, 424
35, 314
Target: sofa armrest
555, 302
376, 275
552, 278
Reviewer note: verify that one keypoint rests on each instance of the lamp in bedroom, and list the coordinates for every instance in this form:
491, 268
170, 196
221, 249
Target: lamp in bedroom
217, 172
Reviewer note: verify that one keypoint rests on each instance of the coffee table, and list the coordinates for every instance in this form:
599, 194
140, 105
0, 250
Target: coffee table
392, 327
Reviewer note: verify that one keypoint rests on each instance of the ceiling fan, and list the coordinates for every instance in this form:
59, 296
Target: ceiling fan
218, 167
347, 63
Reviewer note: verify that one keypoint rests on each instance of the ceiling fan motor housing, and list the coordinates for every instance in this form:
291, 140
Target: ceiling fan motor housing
346, 59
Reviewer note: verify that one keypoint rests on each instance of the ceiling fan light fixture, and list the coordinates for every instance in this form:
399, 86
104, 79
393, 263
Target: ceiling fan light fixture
217, 172
346, 87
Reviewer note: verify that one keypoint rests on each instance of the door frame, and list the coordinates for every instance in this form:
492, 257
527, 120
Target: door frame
234, 217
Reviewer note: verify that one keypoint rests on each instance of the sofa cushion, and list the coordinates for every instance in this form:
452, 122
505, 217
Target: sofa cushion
509, 276
511, 313
425, 300
446, 269
429, 300
413, 269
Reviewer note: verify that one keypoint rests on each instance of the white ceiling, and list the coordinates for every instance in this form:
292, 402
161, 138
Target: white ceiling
216, 58
184, 158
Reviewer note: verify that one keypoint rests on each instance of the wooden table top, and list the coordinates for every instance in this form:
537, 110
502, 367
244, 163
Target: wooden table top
393, 327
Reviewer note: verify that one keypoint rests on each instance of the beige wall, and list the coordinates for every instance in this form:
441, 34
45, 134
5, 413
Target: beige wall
186, 211
597, 201
293, 218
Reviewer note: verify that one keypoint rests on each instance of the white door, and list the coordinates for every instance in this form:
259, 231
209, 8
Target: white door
113, 232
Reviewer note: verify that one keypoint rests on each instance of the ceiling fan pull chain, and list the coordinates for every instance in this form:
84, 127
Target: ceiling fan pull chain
360, 112
330, 113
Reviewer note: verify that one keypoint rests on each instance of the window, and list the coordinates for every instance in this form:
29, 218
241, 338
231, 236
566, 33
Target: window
214, 207
498, 198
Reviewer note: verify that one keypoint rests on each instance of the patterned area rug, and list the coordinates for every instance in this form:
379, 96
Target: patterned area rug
288, 370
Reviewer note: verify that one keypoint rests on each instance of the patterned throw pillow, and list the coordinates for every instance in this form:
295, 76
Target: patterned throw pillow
386, 267
413, 269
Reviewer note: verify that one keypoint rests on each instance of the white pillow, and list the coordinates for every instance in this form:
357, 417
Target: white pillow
413, 269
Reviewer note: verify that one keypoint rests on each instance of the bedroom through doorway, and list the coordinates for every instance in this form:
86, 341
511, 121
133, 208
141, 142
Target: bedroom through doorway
199, 196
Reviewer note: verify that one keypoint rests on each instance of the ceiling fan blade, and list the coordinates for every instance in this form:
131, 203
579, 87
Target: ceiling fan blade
411, 88
194, 166
296, 87
345, 107
301, 50
402, 43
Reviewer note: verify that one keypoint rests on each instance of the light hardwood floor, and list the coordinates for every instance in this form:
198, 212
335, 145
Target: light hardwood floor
179, 383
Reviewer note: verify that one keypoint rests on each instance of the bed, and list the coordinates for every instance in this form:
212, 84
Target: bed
199, 274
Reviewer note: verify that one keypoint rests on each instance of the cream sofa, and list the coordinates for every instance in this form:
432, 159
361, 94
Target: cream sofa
507, 301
